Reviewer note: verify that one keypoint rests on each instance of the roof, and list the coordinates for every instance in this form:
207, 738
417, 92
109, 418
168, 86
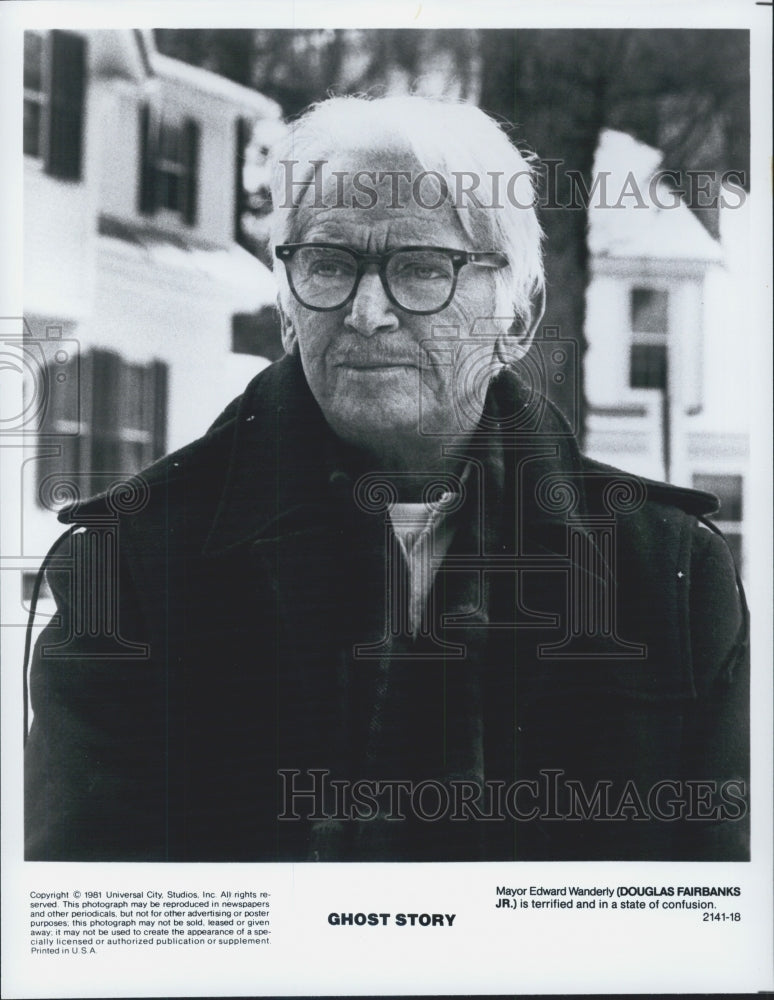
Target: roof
212, 84
119, 54
623, 225
132, 54
248, 281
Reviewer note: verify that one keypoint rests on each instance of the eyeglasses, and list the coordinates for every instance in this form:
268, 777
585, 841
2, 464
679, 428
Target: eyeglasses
421, 280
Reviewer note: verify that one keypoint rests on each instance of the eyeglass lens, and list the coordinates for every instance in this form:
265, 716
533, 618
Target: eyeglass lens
323, 277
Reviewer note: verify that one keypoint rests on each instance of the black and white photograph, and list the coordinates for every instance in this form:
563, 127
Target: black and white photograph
386, 499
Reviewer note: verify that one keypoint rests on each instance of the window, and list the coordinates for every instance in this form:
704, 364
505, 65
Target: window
111, 421
648, 366
649, 319
257, 333
54, 89
170, 168
169, 153
728, 489
649, 310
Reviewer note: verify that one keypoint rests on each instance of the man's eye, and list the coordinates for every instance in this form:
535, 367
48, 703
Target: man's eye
326, 269
330, 268
420, 272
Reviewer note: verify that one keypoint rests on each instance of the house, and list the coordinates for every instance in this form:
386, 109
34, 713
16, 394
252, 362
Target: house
665, 371
140, 297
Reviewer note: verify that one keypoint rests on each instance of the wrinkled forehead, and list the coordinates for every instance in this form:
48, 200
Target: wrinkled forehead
386, 187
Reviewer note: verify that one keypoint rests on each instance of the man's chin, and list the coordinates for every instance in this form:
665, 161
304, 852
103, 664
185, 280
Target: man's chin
371, 426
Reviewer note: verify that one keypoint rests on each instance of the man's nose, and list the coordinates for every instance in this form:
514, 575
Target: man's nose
370, 311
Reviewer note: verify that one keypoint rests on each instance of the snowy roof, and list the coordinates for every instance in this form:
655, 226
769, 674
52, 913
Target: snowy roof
630, 221
132, 54
213, 84
248, 282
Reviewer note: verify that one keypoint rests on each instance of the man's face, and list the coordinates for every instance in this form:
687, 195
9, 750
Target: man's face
377, 371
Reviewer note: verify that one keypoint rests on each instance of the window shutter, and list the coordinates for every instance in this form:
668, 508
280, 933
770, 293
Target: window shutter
60, 458
158, 373
240, 201
191, 164
68, 84
106, 390
146, 201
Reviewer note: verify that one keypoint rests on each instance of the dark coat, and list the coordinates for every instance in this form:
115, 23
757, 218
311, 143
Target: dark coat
599, 638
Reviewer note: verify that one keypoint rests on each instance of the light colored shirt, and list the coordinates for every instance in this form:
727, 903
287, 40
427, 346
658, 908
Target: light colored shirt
424, 532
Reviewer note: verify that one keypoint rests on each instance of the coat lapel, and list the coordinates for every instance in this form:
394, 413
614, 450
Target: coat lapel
292, 513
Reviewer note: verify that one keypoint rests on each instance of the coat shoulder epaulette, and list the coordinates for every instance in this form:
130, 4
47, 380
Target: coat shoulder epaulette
690, 501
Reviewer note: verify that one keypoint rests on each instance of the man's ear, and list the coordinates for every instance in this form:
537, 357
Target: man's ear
522, 331
287, 333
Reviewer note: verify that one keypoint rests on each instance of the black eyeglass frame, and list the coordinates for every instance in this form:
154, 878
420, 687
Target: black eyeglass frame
459, 258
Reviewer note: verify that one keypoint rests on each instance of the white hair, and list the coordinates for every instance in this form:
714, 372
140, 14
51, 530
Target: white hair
454, 139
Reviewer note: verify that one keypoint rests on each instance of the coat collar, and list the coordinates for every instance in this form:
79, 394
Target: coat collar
276, 464
280, 472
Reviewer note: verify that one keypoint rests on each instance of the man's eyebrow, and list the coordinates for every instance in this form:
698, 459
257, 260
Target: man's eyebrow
323, 236
322, 233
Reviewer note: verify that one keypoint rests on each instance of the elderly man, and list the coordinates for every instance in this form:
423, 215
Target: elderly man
384, 609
